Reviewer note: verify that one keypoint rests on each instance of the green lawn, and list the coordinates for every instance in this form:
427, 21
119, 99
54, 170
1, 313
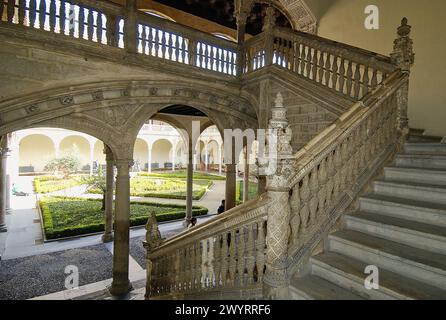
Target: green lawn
253, 186
48, 184
64, 217
147, 186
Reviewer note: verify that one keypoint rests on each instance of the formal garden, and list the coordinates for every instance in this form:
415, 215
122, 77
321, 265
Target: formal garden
65, 216
70, 216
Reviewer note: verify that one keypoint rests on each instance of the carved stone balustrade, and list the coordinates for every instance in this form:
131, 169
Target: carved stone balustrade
224, 257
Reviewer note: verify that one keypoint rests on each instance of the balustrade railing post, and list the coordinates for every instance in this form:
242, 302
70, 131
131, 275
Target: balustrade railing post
192, 52
130, 27
112, 29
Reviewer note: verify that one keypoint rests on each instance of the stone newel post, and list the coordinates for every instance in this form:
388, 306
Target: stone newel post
403, 57
276, 281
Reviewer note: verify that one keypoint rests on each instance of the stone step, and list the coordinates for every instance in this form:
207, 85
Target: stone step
416, 131
410, 262
312, 287
425, 148
421, 161
419, 235
410, 190
429, 176
350, 274
409, 209
424, 139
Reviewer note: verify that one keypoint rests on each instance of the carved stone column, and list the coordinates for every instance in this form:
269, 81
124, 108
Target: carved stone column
108, 233
276, 281
231, 180
403, 57
3, 189
121, 284
242, 9
189, 181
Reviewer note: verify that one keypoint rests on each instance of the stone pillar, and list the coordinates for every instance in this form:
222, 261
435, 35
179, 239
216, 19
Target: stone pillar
91, 158
189, 181
108, 233
8, 174
242, 9
121, 284
246, 175
276, 280
130, 28
174, 154
403, 57
206, 156
231, 180
3, 154
261, 185
220, 159
149, 164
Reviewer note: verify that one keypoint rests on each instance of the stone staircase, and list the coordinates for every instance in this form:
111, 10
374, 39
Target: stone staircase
400, 228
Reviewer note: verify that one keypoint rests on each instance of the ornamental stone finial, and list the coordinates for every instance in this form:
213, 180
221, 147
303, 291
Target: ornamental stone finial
153, 234
403, 55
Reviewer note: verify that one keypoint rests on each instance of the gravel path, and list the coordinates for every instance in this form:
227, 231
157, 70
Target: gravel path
28, 277
137, 251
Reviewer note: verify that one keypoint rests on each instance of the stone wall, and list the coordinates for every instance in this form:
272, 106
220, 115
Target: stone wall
306, 118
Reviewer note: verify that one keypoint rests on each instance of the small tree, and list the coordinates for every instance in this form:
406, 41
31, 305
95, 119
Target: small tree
65, 165
97, 182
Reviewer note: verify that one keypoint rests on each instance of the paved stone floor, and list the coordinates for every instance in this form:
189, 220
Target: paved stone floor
28, 277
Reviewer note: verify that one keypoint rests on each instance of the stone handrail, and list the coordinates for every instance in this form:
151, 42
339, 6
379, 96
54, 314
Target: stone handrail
224, 254
333, 167
347, 70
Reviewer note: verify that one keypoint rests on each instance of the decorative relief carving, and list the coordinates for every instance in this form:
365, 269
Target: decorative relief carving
153, 91
67, 100
32, 109
98, 96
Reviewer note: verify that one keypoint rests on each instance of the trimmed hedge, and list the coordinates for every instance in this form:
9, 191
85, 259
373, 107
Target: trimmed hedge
66, 217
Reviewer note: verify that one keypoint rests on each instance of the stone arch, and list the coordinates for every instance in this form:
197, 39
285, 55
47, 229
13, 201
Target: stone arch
114, 111
76, 145
162, 152
214, 152
141, 153
98, 153
35, 150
